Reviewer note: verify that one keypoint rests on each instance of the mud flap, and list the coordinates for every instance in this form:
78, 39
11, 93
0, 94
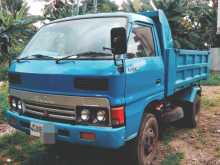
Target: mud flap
190, 94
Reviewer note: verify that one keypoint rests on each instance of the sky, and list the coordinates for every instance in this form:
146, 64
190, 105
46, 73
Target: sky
36, 6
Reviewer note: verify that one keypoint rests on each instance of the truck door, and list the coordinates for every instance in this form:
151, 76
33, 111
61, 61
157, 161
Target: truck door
144, 72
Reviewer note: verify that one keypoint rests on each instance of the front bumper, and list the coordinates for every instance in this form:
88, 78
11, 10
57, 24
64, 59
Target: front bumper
112, 138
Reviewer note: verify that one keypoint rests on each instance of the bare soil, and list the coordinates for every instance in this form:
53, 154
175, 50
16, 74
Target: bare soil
6, 129
200, 146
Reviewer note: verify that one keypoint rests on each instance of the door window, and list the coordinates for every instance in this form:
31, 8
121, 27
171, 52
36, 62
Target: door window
141, 42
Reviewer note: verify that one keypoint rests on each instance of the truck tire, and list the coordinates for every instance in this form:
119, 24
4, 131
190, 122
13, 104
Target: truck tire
144, 147
191, 113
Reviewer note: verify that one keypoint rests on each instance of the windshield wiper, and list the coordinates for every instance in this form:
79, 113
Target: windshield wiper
85, 54
37, 56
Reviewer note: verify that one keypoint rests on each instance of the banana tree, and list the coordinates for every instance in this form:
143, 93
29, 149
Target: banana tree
64, 8
192, 21
16, 28
59, 9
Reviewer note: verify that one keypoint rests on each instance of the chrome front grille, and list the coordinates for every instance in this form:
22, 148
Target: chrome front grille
49, 112
52, 107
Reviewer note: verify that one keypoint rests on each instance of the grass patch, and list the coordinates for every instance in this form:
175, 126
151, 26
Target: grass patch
200, 136
173, 159
209, 102
214, 80
18, 147
168, 135
3, 100
217, 152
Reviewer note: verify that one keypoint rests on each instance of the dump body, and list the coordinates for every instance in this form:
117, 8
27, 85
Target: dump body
183, 68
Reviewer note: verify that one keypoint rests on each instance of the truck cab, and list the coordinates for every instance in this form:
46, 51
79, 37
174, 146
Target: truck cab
99, 79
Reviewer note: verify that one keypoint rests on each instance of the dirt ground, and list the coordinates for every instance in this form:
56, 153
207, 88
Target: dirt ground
200, 146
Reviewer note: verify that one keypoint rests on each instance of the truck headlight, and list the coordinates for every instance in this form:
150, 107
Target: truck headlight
101, 116
85, 115
92, 115
14, 103
19, 105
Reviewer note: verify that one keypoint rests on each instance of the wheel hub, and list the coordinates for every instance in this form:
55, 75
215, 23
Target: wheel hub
149, 141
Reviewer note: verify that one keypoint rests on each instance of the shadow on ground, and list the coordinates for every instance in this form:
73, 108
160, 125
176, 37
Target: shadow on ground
67, 154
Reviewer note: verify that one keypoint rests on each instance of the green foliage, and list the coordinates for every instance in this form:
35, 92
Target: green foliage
103, 6
214, 79
3, 101
206, 103
18, 147
218, 151
12, 6
2, 119
60, 9
193, 23
168, 135
3, 73
3, 97
173, 159
176, 11
16, 28
200, 136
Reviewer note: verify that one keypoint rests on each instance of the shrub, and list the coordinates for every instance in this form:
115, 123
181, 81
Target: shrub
3, 73
3, 101
214, 79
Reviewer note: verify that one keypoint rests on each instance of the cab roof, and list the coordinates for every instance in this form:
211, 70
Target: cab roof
132, 17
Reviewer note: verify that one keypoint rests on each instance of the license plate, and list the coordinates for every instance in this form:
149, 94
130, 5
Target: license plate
36, 129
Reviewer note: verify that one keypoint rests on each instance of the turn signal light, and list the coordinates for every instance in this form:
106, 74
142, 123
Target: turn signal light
118, 116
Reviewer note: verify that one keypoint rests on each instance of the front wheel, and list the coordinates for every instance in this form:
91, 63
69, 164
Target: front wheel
145, 145
148, 140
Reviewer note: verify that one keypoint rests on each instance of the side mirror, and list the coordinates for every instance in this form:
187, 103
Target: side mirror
118, 41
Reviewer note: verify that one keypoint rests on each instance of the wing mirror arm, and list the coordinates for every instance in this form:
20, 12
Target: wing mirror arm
114, 56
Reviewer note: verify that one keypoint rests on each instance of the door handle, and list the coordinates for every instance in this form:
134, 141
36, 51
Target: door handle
158, 81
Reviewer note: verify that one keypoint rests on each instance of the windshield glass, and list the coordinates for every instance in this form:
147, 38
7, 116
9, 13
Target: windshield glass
75, 37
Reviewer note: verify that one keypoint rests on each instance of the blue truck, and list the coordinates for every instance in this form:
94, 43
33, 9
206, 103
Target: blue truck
106, 80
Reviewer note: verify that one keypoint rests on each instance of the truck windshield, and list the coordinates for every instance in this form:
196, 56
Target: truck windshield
74, 37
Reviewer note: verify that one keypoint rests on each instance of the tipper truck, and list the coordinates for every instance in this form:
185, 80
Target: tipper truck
106, 80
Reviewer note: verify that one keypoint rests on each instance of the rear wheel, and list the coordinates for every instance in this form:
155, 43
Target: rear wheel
145, 145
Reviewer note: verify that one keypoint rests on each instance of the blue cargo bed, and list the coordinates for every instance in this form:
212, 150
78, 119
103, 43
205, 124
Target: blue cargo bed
184, 68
